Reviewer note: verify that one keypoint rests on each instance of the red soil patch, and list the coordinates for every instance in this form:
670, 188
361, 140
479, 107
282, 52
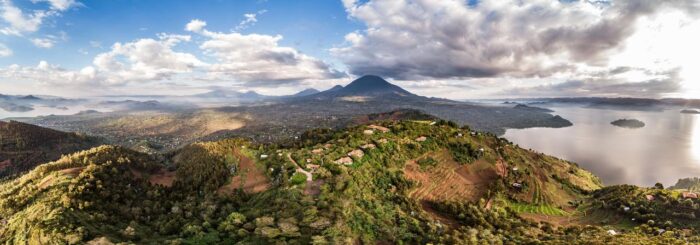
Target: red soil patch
163, 178
249, 178
313, 187
449, 181
501, 168
489, 204
477, 173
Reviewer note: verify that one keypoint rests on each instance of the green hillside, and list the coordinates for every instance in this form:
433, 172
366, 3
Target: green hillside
24, 146
408, 182
692, 184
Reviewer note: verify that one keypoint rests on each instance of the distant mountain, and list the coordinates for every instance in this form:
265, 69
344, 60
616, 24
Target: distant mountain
335, 88
371, 85
12, 107
365, 88
682, 102
230, 94
305, 92
532, 108
23, 146
30, 97
134, 105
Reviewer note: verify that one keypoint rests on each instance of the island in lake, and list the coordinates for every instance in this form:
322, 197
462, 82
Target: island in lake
532, 108
628, 123
690, 111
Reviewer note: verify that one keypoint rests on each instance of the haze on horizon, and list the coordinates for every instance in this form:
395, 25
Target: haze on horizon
453, 48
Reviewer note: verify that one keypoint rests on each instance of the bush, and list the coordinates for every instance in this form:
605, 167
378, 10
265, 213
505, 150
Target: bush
426, 162
463, 153
298, 179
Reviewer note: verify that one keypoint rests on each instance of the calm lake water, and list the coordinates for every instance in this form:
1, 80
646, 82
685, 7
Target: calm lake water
666, 149
44, 111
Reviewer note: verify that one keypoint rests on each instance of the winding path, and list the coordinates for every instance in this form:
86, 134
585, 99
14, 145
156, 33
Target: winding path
309, 176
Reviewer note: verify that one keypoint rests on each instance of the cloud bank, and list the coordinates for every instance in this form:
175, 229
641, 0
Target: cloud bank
257, 58
451, 39
447, 48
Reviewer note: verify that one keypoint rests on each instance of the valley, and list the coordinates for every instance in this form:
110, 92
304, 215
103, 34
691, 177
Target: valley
162, 127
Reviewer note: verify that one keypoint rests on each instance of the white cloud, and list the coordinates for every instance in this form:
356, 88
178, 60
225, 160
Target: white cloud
43, 42
49, 74
195, 25
60, 5
5, 51
143, 60
240, 59
250, 19
451, 40
146, 59
256, 57
19, 22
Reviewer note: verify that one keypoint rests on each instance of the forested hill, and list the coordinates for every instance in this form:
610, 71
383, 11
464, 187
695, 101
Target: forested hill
408, 182
24, 146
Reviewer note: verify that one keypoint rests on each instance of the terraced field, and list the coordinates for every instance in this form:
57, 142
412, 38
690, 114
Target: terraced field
448, 180
537, 209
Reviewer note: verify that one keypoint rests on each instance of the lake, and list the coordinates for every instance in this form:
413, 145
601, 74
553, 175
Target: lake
666, 149
40, 110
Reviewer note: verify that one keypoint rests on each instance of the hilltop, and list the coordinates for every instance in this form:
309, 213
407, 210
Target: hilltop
365, 88
381, 182
24, 146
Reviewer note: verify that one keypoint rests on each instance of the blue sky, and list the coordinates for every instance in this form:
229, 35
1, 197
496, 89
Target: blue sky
311, 26
453, 48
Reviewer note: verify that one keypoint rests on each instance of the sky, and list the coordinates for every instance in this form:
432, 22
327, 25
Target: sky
455, 49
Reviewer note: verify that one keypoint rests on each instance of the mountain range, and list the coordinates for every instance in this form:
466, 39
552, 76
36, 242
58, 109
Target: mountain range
365, 86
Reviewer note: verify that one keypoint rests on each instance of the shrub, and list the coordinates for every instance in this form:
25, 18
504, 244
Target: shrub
298, 179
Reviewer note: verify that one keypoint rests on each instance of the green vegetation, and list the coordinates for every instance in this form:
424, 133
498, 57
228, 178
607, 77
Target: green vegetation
24, 146
115, 194
628, 123
426, 162
656, 207
298, 179
464, 152
206, 166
